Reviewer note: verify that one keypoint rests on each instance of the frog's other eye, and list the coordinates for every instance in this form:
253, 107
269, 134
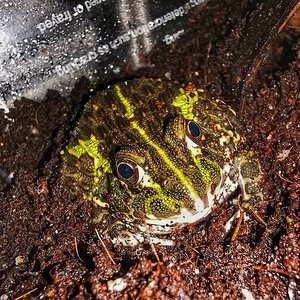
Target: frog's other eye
193, 133
130, 172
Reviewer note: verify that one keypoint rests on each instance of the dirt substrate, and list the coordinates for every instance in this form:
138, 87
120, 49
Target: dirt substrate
49, 246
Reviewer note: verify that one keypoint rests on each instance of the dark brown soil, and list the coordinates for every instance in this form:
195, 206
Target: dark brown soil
49, 246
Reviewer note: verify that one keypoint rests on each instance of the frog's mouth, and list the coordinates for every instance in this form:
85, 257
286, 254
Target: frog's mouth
186, 216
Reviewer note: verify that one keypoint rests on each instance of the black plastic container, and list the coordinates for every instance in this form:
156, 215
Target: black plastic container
52, 44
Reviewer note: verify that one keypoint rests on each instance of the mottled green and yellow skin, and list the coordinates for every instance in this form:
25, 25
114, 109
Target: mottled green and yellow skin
183, 150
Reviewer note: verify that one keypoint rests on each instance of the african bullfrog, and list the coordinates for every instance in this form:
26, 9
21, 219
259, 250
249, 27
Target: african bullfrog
157, 156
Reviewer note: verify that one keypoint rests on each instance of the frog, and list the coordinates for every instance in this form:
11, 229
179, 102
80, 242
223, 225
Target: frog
157, 155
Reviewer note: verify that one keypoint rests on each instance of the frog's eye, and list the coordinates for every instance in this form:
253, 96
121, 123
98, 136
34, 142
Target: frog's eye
193, 133
130, 172
193, 129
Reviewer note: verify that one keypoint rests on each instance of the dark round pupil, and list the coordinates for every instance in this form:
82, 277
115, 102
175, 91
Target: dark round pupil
194, 129
125, 170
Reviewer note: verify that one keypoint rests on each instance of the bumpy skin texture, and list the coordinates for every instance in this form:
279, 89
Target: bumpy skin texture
157, 155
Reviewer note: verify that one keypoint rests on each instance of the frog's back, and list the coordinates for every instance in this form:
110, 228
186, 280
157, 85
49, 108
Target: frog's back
105, 116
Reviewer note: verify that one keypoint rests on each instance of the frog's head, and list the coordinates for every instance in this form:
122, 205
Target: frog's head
160, 176
145, 151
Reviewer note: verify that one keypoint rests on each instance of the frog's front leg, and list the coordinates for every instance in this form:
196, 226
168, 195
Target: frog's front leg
248, 173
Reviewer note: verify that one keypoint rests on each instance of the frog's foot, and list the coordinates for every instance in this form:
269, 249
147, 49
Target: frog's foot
117, 231
249, 175
251, 191
120, 234
124, 235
